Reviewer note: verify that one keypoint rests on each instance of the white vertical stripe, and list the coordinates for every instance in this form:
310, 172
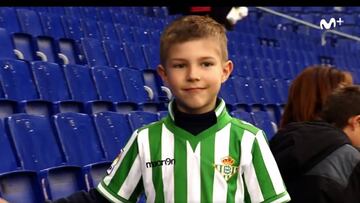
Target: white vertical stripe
144, 151
108, 178
167, 150
239, 194
220, 108
222, 139
193, 174
250, 177
131, 180
270, 164
107, 194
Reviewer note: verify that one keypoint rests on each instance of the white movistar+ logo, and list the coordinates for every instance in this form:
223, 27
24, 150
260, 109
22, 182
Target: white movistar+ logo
331, 23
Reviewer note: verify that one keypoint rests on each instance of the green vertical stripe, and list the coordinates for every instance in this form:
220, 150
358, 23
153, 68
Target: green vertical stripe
247, 198
207, 168
236, 134
180, 170
267, 188
124, 168
138, 190
155, 154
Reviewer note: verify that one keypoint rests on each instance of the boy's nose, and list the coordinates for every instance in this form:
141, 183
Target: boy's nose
193, 74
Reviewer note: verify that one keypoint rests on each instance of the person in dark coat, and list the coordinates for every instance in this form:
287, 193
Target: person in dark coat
318, 158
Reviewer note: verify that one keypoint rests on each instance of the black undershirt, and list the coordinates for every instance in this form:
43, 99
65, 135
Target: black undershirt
193, 123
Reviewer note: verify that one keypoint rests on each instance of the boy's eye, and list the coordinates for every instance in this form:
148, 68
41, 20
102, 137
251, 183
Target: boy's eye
180, 65
206, 64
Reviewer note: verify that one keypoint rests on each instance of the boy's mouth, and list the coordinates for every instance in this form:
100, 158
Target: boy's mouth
193, 89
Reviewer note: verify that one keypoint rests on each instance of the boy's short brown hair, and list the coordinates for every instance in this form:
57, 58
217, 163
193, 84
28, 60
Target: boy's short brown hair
341, 105
190, 28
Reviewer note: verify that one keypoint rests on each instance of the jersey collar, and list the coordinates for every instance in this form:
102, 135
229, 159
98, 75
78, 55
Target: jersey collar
218, 110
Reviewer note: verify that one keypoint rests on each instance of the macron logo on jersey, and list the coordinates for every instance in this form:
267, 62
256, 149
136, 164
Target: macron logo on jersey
167, 161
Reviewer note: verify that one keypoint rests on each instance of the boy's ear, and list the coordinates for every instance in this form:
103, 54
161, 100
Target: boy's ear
354, 121
226, 71
161, 71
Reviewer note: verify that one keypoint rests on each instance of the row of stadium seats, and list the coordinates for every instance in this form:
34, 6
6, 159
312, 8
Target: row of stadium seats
99, 47
47, 88
52, 158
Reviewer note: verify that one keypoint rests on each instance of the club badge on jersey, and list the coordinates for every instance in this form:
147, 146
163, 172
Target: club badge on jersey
226, 169
113, 164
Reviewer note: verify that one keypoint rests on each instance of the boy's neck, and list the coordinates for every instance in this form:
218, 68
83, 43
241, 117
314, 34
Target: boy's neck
195, 123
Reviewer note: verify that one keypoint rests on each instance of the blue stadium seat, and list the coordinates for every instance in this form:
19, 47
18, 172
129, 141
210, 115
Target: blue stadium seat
243, 90
47, 49
51, 25
107, 31
139, 119
81, 85
115, 54
72, 27
82, 145
79, 138
94, 52
26, 45
124, 33
152, 55
104, 15
87, 12
70, 52
72, 11
115, 131
119, 17
56, 10
227, 92
263, 121
21, 186
9, 20
31, 134
153, 80
51, 85
135, 56
108, 84
141, 35
7, 107
82, 88
10, 159
29, 22
243, 115
7, 47
16, 80
258, 91
133, 84
136, 91
50, 81
90, 28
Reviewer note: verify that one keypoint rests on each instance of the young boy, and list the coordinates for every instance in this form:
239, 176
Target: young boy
319, 159
198, 153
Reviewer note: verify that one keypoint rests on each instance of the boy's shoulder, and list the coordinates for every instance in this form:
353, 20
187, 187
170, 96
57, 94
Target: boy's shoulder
150, 125
245, 125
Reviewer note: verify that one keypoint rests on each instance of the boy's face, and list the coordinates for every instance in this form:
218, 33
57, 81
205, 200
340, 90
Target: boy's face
194, 71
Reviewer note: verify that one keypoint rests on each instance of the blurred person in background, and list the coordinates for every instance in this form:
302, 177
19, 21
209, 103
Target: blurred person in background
315, 157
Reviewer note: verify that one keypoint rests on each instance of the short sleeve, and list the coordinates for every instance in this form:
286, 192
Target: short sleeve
262, 177
123, 180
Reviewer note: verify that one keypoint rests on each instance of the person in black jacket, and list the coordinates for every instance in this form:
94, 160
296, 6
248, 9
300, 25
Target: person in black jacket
318, 159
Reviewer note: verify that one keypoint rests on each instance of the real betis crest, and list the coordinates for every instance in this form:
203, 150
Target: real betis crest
226, 169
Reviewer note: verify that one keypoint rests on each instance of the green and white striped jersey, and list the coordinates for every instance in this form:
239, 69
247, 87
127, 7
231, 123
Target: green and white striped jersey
228, 162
